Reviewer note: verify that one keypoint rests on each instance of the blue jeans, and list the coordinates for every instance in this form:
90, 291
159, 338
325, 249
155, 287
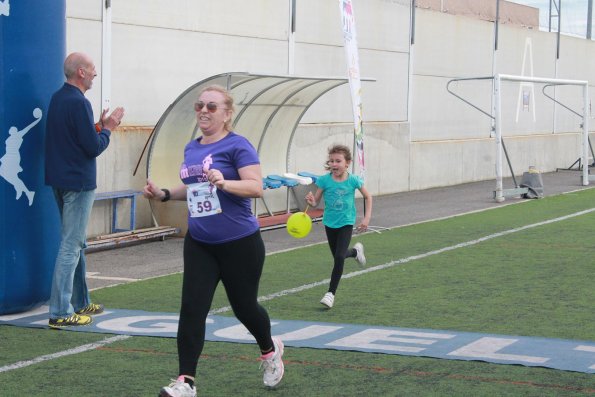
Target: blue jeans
69, 287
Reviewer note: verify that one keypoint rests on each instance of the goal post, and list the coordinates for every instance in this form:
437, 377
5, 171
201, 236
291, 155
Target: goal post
500, 193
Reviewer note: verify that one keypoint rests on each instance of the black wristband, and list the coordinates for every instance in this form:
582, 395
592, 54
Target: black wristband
167, 195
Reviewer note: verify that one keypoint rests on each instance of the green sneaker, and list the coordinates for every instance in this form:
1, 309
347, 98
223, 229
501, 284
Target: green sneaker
72, 321
91, 309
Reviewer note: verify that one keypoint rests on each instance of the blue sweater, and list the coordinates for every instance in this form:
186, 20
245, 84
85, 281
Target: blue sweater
71, 142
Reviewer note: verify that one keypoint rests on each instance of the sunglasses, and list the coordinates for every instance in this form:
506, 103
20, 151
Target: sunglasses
211, 106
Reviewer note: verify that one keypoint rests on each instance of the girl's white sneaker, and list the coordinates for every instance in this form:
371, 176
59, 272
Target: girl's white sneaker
328, 299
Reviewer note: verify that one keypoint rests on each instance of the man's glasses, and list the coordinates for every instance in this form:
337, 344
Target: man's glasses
211, 106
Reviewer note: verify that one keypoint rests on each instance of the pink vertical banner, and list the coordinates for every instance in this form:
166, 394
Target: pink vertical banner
350, 38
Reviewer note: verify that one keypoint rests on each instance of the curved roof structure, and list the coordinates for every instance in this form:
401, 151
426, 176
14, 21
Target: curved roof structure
268, 110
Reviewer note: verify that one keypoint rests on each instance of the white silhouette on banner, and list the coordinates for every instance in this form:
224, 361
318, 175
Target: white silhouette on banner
5, 7
10, 163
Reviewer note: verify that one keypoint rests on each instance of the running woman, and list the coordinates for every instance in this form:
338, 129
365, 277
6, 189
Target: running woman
220, 174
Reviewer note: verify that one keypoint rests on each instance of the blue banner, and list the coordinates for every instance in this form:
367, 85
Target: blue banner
33, 37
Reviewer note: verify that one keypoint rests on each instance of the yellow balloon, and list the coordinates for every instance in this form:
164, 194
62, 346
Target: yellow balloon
299, 225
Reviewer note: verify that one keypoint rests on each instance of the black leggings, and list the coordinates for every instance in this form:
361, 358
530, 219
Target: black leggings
338, 241
238, 264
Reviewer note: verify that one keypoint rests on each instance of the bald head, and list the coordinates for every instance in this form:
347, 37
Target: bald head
79, 70
75, 61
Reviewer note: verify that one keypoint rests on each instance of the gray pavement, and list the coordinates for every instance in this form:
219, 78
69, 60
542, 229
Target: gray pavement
157, 258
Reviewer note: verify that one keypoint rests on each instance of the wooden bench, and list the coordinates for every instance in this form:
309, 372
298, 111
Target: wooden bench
115, 196
122, 239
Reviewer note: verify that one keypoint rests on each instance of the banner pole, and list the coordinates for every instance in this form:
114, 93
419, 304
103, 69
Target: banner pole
351, 52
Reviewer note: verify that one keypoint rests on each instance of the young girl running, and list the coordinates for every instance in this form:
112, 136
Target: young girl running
338, 189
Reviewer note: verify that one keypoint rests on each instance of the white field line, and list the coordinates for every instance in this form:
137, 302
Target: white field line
368, 232
94, 275
107, 341
441, 218
76, 350
324, 241
411, 258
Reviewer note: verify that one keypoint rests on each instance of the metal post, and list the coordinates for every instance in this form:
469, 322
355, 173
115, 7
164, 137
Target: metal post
558, 7
496, 22
550, 18
586, 135
494, 64
559, 27
291, 38
106, 54
412, 22
499, 196
410, 65
589, 19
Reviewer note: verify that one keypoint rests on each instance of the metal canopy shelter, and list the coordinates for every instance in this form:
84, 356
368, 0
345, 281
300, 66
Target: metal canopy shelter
268, 111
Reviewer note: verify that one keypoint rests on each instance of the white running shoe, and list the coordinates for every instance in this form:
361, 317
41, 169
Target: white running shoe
328, 299
178, 388
359, 257
272, 365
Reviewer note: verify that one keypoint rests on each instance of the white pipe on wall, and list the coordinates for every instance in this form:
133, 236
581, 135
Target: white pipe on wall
106, 54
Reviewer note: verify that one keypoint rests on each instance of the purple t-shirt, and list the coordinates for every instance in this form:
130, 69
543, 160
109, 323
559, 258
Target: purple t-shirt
227, 155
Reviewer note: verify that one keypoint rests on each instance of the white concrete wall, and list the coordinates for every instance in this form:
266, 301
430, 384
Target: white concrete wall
115, 169
160, 48
446, 131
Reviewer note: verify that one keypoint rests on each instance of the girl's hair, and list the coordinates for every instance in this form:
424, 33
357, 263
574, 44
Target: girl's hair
338, 149
227, 99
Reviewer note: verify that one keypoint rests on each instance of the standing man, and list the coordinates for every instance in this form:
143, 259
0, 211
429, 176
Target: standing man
72, 145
